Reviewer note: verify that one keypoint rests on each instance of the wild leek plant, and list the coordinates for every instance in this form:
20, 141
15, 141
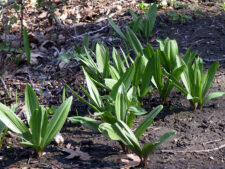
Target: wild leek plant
165, 57
106, 74
129, 37
196, 83
130, 140
41, 131
122, 100
138, 26
115, 128
145, 26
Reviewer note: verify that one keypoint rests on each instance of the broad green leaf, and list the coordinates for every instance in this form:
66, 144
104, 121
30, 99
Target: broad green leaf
114, 73
212, 96
168, 85
126, 79
209, 76
139, 69
146, 80
134, 43
149, 20
13, 122
137, 110
26, 44
110, 83
171, 49
127, 137
31, 102
147, 121
93, 90
117, 61
107, 130
150, 147
57, 121
121, 103
87, 122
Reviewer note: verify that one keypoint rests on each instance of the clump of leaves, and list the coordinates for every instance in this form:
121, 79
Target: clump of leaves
41, 131
145, 26
164, 57
196, 83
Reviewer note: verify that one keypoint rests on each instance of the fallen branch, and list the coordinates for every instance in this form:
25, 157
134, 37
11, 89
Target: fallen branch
195, 151
89, 33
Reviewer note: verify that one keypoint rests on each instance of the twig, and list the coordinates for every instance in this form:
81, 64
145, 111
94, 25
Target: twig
88, 33
4, 86
195, 151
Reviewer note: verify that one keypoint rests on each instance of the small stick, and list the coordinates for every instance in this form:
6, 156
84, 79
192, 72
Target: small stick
88, 33
195, 151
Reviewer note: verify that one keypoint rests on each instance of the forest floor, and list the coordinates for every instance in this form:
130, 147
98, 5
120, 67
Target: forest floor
200, 139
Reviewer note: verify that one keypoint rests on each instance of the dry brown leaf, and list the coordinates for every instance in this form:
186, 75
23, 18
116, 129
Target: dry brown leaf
76, 153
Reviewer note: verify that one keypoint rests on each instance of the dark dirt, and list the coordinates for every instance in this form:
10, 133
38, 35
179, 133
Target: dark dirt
200, 139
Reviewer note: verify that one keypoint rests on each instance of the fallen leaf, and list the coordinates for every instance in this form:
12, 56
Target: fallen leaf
76, 153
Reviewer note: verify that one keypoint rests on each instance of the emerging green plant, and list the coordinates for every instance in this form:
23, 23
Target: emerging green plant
145, 26
164, 57
41, 131
106, 74
197, 84
117, 126
143, 5
175, 17
223, 5
184, 18
130, 139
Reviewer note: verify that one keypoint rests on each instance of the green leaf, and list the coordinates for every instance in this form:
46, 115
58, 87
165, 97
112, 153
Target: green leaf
148, 120
208, 78
114, 73
101, 57
137, 110
117, 61
127, 137
107, 130
117, 29
150, 147
139, 69
134, 43
39, 120
126, 79
146, 80
149, 20
57, 121
26, 44
110, 83
121, 103
93, 90
212, 96
13, 122
82, 99
87, 122
31, 102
